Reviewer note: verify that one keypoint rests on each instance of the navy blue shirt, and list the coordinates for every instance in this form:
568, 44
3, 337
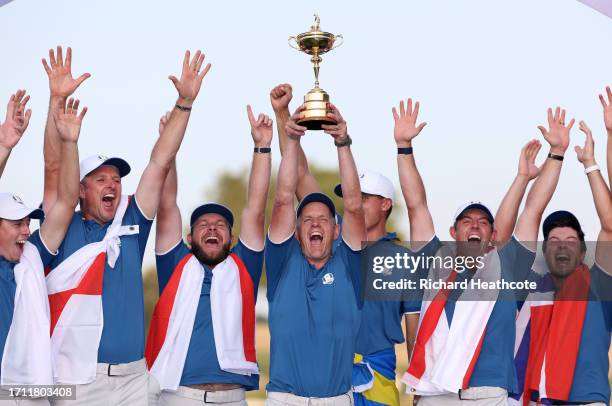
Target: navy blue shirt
201, 363
495, 365
314, 317
381, 320
8, 288
122, 338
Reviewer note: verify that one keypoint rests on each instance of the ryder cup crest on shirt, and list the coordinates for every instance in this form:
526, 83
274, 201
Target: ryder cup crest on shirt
328, 278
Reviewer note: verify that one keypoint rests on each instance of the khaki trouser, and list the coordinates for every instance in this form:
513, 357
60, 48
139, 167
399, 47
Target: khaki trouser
478, 396
584, 404
185, 396
115, 385
283, 399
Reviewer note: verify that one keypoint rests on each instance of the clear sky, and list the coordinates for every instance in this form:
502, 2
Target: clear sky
484, 71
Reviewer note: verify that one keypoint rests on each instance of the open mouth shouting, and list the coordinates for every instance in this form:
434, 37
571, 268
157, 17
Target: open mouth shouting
316, 239
212, 241
474, 238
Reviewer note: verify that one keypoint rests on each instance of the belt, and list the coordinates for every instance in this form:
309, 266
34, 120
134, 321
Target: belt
135, 367
291, 399
206, 396
481, 392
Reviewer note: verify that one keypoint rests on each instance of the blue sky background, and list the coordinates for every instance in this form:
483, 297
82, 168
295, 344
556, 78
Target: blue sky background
484, 71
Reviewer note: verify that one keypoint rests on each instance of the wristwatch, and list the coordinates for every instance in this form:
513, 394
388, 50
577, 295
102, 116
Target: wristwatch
344, 143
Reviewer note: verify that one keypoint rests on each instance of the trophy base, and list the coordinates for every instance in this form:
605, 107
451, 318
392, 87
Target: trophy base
315, 112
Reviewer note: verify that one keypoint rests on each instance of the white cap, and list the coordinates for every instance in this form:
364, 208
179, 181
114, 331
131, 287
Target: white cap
13, 208
372, 183
474, 204
93, 162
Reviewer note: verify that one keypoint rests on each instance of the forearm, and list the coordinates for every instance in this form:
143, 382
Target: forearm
68, 185
349, 180
505, 218
609, 158
415, 196
601, 196
4, 156
169, 141
544, 187
287, 173
259, 183
169, 222
51, 153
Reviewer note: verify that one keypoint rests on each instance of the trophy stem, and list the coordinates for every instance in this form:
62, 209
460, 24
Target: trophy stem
316, 59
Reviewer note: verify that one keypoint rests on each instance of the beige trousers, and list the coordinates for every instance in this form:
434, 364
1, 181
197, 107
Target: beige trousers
288, 399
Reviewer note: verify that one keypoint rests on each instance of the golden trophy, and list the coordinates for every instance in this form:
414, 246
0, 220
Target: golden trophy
315, 42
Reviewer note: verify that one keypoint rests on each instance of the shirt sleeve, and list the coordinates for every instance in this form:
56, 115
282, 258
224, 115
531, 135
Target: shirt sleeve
276, 256
352, 261
516, 259
253, 260
45, 255
167, 262
134, 216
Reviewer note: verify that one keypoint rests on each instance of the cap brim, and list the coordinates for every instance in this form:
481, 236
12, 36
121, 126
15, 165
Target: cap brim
316, 197
121, 165
24, 212
212, 208
477, 206
338, 190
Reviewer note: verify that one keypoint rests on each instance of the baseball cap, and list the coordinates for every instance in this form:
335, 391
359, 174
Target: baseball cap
93, 162
475, 204
372, 183
553, 219
316, 197
13, 208
212, 208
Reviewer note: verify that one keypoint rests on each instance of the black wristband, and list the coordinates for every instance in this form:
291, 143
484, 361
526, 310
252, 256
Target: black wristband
344, 143
182, 108
555, 156
262, 150
404, 151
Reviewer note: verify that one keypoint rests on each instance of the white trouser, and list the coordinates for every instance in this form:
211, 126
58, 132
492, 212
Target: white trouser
186, 396
4, 393
115, 385
478, 396
282, 399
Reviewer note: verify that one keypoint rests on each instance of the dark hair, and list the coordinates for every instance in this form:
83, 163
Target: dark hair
567, 221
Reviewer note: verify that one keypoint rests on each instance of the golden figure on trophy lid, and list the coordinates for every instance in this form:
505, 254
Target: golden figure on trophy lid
316, 42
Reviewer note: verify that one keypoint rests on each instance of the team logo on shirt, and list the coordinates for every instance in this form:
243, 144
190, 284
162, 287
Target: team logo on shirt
328, 278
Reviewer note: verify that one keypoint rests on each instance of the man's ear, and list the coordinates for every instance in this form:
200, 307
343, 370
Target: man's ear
189, 238
386, 205
453, 232
336, 231
81, 191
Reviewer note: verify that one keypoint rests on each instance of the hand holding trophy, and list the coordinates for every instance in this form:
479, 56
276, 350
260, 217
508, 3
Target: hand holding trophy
316, 102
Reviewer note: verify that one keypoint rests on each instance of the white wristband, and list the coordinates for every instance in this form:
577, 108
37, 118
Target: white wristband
591, 169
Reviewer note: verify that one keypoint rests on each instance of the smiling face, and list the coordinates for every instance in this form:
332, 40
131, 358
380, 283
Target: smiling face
474, 231
563, 251
13, 236
316, 231
100, 194
210, 238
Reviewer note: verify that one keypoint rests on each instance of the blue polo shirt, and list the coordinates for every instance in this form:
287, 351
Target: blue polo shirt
590, 383
381, 320
314, 317
122, 338
495, 365
8, 287
201, 363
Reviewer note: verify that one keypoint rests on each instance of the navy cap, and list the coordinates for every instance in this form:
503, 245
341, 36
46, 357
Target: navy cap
474, 205
316, 197
560, 215
213, 208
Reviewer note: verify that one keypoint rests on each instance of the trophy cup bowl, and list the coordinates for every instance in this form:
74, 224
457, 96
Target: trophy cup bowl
315, 43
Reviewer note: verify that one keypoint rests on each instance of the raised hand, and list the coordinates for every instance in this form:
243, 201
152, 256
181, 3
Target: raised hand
557, 134
339, 130
261, 129
292, 128
586, 154
61, 82
189, 85
527, 166
68, 123
280, 97
163, 121
17, 120
607, 109
405, 124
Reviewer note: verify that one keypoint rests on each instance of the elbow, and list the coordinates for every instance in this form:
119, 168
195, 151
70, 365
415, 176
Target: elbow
283, 198
353, 206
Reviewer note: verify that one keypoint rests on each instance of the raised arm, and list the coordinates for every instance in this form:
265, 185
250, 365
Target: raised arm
15, 124
544, 187
353, 221
57, 220
61, 86
169, 226
282, 223
280, 97
413, 189
607, 112
505, 218
254, 213
601, 197
167, 145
